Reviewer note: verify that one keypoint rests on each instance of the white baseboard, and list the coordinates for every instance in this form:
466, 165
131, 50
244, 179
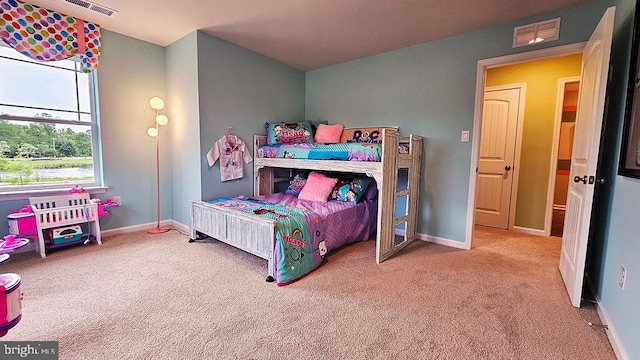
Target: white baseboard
524, 230
443, 241
612, 334
180, 226
437, 240
185, 229
134, 228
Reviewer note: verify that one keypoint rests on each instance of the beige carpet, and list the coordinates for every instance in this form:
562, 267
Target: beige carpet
144, 297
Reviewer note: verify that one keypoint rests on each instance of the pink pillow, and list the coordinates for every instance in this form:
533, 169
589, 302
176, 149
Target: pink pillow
328, 133
318, 187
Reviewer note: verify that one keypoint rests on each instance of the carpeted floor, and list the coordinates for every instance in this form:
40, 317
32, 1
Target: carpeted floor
159, 297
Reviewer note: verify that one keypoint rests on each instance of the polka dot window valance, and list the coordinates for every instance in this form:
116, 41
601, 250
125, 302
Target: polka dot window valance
46, 35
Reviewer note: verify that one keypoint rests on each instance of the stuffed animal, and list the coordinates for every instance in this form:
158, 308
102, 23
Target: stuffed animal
76, 189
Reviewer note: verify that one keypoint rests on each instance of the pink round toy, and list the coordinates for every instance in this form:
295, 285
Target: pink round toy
10, 302
11, 243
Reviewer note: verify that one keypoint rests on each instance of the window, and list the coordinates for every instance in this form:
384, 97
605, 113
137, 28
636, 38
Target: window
48, 125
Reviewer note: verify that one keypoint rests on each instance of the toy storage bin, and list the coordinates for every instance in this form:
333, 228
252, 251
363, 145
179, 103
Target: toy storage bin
66, 235
22, 223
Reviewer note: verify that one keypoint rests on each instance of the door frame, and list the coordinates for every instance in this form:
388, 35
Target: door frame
483, 65
515, 173
554, 150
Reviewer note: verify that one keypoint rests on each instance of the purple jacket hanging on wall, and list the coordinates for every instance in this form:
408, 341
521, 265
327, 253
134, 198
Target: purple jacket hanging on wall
231, 150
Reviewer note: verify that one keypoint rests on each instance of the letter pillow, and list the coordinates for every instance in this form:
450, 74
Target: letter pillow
363, 135
289, 133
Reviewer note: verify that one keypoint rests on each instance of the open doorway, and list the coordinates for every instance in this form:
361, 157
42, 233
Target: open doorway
584, 159
522, 151
565, 128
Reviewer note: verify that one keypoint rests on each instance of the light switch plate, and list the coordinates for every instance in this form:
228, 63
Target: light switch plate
465, 136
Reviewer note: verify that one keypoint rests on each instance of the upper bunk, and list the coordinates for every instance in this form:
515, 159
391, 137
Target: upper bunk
396, 153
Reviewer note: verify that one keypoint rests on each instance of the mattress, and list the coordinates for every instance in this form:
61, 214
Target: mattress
344, 222
339, 151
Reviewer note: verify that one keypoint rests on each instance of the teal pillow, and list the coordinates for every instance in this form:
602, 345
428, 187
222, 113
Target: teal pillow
283, 133
350, 189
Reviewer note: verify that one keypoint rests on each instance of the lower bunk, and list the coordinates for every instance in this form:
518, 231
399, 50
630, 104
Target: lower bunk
292, 234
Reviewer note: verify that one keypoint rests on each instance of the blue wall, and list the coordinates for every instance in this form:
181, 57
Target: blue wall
429, 90
241, 89
615, 241
129, 73
182, 90
214, 85
622, 247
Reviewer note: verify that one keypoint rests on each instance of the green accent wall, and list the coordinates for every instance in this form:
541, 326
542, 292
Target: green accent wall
541, 79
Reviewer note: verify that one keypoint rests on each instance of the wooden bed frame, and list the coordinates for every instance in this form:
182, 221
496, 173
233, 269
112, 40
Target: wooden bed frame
256, 235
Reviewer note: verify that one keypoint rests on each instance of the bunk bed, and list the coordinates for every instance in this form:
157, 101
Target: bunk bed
255, 234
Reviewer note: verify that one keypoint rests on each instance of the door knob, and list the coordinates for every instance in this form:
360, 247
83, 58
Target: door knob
578, 179
507, 168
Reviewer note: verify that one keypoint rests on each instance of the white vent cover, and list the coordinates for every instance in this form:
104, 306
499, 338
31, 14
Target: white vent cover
536, 33
94, 7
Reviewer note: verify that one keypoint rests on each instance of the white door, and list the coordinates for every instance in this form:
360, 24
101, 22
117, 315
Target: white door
496, 161
586, 146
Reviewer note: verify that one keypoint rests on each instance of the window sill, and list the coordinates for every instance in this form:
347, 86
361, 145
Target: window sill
19, 195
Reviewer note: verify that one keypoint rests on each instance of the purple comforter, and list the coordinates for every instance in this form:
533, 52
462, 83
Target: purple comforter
344, 222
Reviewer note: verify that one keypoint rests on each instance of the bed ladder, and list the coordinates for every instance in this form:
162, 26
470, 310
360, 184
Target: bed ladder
394, 233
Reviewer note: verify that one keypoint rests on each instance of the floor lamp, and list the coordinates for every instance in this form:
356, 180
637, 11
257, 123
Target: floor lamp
157, 104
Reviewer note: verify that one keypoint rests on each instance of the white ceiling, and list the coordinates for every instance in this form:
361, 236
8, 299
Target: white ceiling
308, 34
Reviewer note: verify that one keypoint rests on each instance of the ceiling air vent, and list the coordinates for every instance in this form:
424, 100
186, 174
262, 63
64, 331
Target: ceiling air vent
94, 7
536, 33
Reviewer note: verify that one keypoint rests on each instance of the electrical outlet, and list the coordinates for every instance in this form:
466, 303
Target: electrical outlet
623, 276
117, 199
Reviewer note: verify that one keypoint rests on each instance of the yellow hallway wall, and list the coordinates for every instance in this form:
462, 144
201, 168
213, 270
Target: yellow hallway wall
541, 77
